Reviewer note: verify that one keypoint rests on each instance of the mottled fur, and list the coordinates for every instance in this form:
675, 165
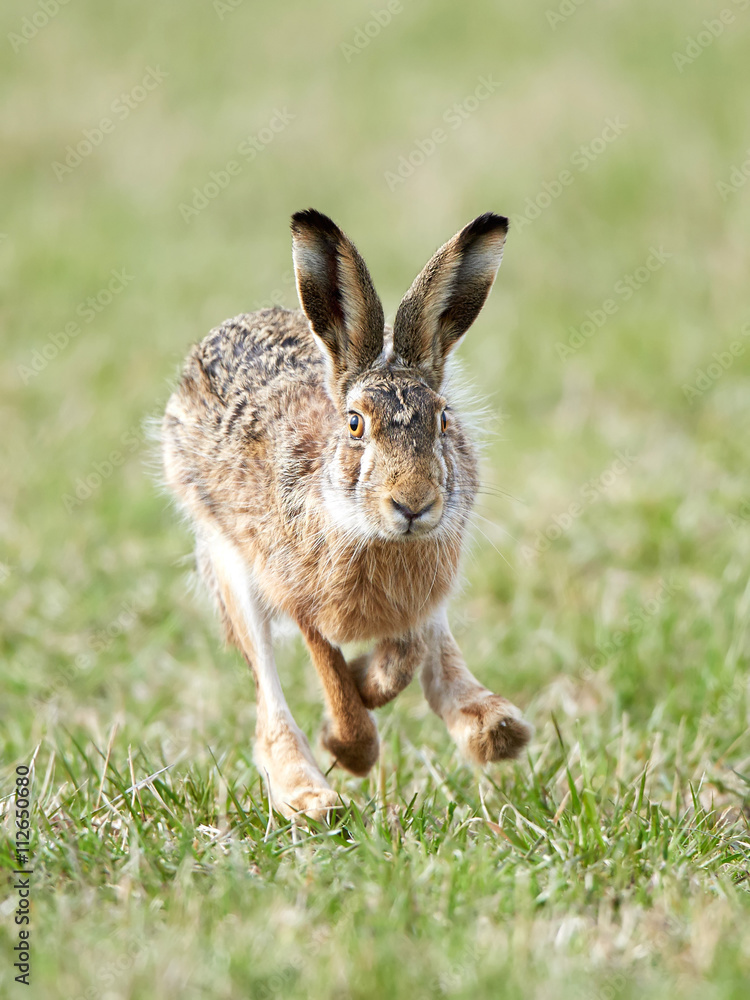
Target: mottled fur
355, 538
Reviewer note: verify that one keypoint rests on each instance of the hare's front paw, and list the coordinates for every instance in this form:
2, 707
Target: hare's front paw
295, 783
490, 728
320, 804
356, 750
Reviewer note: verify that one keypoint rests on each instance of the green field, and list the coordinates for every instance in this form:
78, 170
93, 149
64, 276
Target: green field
150, 158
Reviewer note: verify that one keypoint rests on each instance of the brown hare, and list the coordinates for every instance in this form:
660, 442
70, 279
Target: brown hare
329, 478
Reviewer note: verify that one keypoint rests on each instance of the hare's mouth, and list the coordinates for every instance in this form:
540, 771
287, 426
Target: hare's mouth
418, 531
416, 520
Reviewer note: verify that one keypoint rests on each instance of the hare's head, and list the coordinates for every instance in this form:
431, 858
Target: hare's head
403, 463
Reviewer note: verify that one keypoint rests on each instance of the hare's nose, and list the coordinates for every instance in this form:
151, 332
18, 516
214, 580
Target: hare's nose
408, 513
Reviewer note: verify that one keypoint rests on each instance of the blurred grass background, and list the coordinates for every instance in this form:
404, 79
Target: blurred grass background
578, 870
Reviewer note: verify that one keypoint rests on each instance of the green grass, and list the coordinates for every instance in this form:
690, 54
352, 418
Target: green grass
612, 861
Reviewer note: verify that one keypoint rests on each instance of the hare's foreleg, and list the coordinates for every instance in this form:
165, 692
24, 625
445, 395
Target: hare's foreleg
282, 753
485, 726
349, 732
388, 669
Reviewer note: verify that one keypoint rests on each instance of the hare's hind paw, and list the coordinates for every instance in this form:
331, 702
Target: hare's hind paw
491, 728
356, 751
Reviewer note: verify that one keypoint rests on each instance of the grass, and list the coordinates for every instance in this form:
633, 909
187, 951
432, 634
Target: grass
607, 595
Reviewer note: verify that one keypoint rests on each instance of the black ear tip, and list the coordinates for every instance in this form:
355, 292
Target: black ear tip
487, 223
311, 218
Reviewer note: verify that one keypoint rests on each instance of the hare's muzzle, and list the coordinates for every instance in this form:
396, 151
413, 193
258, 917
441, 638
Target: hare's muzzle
415, 512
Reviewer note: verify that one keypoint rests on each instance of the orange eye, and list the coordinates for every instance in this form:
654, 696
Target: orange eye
356, 425
443, 421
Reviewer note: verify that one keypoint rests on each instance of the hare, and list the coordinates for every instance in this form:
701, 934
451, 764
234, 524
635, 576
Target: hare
329, 479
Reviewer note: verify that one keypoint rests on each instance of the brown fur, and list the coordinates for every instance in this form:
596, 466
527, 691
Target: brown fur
385, 672
353, 538
447, 296
239, 430
350, 733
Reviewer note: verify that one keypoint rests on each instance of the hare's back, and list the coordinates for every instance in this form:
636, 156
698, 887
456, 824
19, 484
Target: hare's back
255, 354
239, 388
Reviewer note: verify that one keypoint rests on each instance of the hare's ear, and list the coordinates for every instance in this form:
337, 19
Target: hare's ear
337, 295
446, 298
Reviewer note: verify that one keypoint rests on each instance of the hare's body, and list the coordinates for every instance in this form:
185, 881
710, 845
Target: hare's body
253, 420
329, 479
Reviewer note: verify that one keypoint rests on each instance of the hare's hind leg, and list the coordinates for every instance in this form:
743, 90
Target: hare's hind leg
282, 753
485, 726
349, 732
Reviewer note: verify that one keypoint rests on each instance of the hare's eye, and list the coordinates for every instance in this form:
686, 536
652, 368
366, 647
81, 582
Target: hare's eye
356, 425
443, 421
